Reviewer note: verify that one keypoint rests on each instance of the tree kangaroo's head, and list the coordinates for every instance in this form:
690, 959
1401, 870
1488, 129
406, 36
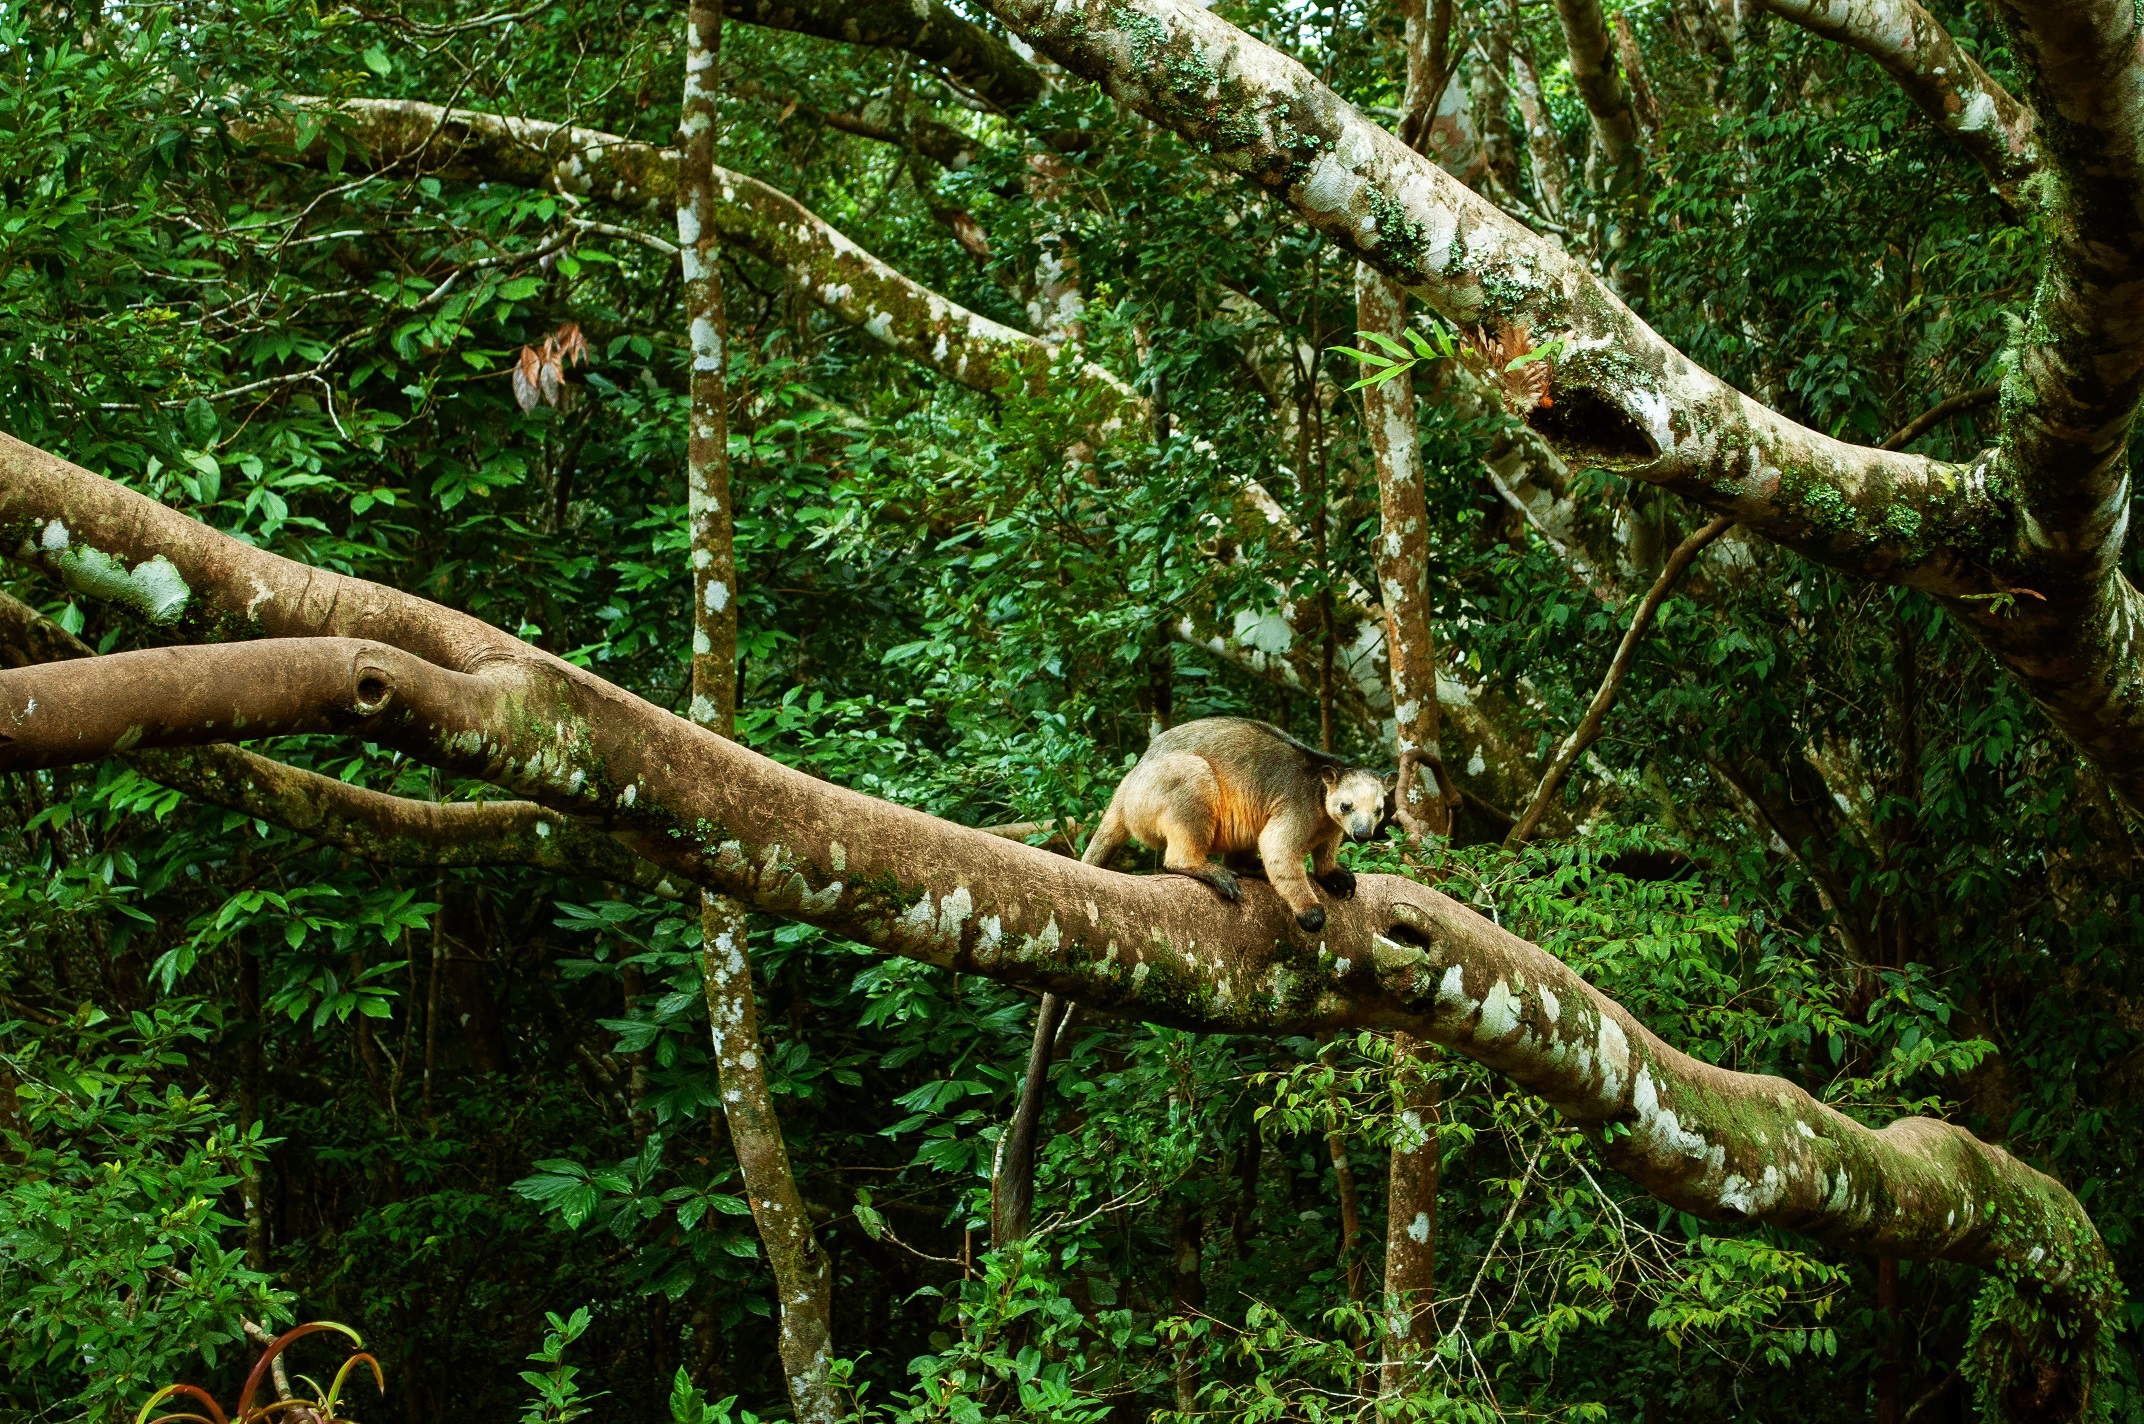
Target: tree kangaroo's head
1356, 799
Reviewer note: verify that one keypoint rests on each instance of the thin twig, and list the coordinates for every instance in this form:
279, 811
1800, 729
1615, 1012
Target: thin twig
1589, 726
1936, 414
1466, 1302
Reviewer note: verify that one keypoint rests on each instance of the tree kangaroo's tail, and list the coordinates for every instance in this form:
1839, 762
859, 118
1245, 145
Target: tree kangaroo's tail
1109, 837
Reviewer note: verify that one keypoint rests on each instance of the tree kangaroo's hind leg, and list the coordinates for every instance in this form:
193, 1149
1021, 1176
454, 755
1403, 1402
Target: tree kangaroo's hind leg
1109, 837
1184, 822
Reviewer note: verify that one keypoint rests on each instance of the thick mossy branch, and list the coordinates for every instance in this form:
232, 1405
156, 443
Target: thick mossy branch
1936, 74
360, 658
855, 287
372, 825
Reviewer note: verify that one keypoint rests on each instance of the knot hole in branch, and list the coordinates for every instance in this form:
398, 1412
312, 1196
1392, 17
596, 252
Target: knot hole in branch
374, 691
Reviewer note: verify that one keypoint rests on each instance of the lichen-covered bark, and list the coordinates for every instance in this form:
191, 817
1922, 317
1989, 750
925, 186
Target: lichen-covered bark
803, 1275
1593, 75
854, 286
1936, 74
372, 825
1424, 798
357, 658
981, 62
2045, 507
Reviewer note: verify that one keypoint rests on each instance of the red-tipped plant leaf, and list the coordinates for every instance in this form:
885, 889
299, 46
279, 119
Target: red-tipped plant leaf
215, 1410
276, 1347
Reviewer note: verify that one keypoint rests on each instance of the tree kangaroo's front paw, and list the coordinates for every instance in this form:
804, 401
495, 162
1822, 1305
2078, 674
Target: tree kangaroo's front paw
1312, 919
1339, 882
1223, 880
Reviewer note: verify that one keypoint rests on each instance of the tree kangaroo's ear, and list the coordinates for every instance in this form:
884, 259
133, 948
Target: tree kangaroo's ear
1391, 782
1331, 777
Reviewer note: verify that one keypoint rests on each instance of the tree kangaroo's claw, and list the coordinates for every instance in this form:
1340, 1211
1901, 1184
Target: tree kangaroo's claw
1312, 919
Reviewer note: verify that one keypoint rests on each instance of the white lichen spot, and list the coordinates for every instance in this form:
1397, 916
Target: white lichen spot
1550, 1009
543, 830
1805, 1129
154, 588
1613, 1057
1418, 1229
1499, 1012
880, 326
631, 794
702, 645
1329, 186
703, 709
718, 596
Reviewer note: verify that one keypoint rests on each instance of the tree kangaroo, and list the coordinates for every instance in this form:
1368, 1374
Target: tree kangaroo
1234, 787
1220, 785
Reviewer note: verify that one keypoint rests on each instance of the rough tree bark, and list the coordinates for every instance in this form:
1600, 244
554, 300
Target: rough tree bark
342, 655
2044, 511
966, 53
1410, 1331
803, 1276
1423, 796
1616, 154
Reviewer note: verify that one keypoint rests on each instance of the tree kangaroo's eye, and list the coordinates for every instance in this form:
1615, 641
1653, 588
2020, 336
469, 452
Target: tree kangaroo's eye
1346, 806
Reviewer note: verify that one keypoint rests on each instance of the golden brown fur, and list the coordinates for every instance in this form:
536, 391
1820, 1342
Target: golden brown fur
1236, 788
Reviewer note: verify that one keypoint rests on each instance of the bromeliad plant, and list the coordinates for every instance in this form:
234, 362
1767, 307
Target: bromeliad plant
322, 1408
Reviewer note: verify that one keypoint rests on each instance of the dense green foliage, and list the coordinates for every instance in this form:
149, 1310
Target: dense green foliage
478, 1102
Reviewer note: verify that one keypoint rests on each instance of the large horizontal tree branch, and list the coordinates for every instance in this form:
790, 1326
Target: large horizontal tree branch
2042, 513
1937, 75
372, 825
349, 656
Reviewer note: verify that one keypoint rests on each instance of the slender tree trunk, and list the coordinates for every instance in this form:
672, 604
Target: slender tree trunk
249, 1105
1551, 166
1014, 1186
1425, 797
1411, 1231
802, 1276
1187, 1292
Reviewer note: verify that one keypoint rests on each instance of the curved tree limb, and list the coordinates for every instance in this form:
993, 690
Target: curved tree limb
1936, 414
372, 825
855, 287
928, 29
2043, 511
353, 657
1588, 730
1938, 76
